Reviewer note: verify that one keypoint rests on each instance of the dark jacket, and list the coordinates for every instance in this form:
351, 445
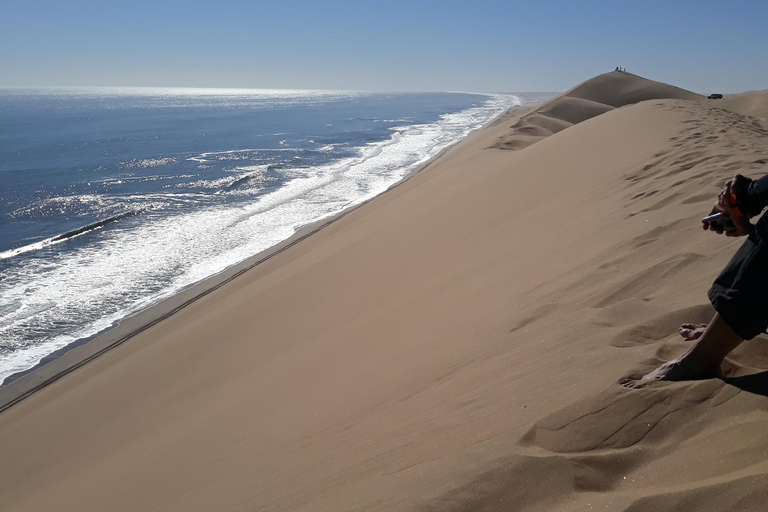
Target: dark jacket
752, 198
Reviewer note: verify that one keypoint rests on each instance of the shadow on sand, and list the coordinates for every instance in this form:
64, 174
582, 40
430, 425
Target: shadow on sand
756, 383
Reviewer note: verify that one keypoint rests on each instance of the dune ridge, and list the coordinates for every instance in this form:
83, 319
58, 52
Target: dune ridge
591, 98
455, 344
750, 103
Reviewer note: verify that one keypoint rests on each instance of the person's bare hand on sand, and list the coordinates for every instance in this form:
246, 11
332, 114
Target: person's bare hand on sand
691, 332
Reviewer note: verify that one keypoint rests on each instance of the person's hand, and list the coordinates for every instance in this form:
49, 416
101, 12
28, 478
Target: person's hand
738, 224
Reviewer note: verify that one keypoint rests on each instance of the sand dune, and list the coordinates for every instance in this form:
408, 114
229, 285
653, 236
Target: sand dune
455, 344
589, 99
696, 446
751, 103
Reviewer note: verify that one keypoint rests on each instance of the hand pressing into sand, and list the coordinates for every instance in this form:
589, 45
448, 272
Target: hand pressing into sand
691, 332
738, 224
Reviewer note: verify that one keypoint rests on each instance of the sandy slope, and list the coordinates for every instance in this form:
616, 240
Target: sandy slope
454, 344
751, 103
589, 99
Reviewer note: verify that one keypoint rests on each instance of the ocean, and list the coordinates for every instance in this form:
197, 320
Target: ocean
112, 199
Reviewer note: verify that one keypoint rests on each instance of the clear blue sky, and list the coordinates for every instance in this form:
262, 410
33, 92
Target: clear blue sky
533, 45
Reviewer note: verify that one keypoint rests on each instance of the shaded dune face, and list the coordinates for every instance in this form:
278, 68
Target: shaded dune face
667, 446
585, 101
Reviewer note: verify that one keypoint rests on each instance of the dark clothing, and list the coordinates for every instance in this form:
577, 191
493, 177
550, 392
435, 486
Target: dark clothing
740, 292
751, 198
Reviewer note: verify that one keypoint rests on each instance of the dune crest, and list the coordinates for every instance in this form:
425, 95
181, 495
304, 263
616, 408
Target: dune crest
750, 103
591, 98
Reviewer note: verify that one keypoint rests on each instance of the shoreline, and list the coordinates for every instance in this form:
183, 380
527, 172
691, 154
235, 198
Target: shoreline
458, 343
61, 362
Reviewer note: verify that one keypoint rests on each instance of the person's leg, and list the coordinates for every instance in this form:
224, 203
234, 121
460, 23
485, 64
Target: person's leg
703, 359
740, 294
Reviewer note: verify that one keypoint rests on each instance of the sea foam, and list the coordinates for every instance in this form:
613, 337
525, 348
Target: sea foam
51, 299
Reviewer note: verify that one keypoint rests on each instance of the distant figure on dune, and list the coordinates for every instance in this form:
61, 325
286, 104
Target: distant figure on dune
739, 294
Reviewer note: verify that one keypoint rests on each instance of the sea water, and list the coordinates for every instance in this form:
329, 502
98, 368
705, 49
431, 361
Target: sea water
112, 199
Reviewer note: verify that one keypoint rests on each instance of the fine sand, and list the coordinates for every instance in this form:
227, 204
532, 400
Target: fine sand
454, 344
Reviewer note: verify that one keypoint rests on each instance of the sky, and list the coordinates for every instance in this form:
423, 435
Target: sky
480, 46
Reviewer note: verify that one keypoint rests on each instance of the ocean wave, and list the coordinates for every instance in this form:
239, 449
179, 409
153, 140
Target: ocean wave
246, 175
233, 155
66, 236
88, 288
62, 205
398, 120
148, 162
141, 179
257, 176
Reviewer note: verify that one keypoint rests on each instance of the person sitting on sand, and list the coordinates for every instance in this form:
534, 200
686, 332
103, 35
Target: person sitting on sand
739, 294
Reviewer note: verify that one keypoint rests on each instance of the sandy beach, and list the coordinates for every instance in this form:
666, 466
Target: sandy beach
453, 344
